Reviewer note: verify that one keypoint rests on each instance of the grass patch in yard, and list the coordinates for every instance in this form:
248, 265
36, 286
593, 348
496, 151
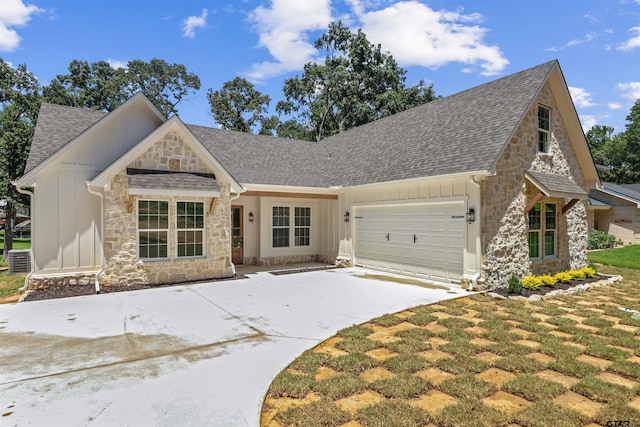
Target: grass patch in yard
9, 285
626, 369
462, 365
452, 309
287, 384
467, 386
355, 363
509, 349
392, 413
597, 322
355, 331
456, 323
421, 319
617, 411
519, 364
570, 366
309, 362
625, 257
357, 345
607, 352
387, 320
457, 335
415, 334
533, 388
460, 348
320, 414
406, 363
561, 321
402, 386
340, 386
602, 391
471, 412
408, 346
545, 413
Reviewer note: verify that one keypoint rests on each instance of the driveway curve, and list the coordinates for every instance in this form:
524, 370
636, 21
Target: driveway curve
201, 354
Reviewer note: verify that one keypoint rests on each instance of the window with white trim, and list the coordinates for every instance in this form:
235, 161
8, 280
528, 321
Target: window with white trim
280, 226
302, 226
544, 125
543, 231
153, 229
190, 229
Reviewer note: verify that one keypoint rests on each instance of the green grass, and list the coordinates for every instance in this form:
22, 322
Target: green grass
625, 257
10, 284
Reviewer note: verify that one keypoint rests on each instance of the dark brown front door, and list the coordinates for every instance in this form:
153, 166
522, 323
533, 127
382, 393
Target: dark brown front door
237, 237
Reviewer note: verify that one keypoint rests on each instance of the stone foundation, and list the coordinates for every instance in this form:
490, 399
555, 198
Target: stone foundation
43, 283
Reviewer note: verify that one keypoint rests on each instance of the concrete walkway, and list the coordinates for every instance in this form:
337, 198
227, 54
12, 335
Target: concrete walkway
201, 354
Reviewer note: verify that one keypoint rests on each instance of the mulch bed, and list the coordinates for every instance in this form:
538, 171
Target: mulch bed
543, 290
80, 290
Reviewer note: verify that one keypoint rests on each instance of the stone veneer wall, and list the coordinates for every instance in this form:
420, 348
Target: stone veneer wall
121, 250
505, 195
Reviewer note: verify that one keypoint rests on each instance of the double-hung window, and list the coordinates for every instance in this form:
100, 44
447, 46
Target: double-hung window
283, 226
544, 120
153, 229
190, 229
542, 231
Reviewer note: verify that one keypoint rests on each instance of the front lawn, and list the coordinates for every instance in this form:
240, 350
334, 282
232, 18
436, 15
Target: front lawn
625, 257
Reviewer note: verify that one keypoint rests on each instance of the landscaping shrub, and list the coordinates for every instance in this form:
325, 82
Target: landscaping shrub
548, 280
600, 240
564, 277
576, 274
515, 285
589, 272
531, 282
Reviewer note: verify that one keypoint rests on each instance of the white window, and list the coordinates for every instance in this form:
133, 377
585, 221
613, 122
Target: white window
544, 120
542, 231
190, 229
283, 227
153, 229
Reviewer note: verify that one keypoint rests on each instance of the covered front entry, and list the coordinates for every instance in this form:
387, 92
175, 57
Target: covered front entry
423, 240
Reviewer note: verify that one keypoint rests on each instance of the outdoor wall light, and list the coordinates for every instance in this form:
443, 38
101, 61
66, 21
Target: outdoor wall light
251, 217
346, 216
471, 215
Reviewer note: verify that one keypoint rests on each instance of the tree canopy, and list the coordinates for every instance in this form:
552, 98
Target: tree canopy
356, 84
101, 87
238, 105
19, 103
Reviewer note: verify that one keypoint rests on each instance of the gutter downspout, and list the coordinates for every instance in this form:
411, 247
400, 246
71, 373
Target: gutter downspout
476, 276
33, 264
102, 262
231, 199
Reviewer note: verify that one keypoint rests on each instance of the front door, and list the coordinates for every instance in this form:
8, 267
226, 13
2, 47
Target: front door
237, 242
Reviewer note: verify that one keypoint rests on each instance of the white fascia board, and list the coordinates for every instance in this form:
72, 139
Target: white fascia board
461, 176
172, 192
29, 179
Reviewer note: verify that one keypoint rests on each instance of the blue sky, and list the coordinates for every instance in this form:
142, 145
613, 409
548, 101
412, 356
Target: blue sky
454, 44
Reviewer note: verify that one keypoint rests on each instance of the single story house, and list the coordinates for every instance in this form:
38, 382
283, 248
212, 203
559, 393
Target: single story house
615, 209
470, 188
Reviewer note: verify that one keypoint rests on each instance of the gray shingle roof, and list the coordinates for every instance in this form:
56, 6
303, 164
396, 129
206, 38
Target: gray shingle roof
554, 183
167, 180
623, 190
595, 202
460, 133
57, 125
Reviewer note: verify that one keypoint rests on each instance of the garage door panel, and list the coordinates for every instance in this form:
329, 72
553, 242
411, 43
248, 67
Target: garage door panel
424, 240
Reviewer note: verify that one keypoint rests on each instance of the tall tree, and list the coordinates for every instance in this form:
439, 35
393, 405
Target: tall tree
632, 142
356, 84
608, 152
240, 106
19, 105
99, 86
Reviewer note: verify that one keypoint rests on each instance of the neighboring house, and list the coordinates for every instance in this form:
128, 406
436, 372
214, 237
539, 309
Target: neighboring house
477, 186
22, 214
615, 209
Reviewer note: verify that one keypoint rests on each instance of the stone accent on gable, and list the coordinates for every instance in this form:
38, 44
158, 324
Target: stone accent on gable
505, 195
123, 265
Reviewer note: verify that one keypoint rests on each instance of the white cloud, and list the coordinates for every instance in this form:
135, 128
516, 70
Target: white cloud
191, 23
630, 90
614, 105
418, 35
117, 63
633, 42
587, 38
588, 122
14, 13
284, 29
581, 97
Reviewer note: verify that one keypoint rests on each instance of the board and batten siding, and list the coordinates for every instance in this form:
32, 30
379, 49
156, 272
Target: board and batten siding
68, 216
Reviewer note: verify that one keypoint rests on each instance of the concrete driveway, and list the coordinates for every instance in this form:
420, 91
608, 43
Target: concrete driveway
200, 354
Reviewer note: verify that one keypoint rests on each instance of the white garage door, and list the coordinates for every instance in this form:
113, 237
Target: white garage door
424, 240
